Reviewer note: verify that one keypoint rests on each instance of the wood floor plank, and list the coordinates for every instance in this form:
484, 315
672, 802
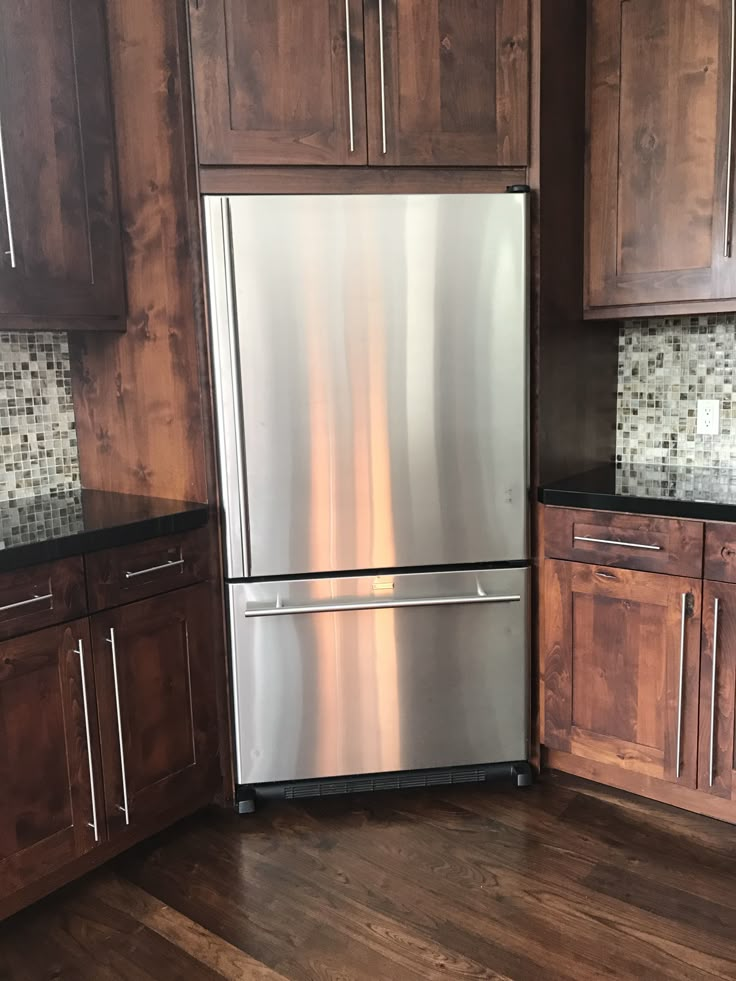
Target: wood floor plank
567, 882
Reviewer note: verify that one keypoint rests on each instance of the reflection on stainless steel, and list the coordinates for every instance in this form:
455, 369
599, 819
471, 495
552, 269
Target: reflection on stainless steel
366, 691
383, 380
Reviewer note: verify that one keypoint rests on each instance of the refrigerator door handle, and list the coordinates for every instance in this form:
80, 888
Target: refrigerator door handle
280, 610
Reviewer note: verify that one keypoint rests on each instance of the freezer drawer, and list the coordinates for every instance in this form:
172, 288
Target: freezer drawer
364, 675
371, 362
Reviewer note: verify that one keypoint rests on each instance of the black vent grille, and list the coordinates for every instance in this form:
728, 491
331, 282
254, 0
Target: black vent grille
381, 781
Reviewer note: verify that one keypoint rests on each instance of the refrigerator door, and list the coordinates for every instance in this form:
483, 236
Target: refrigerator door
381, 395
335, 677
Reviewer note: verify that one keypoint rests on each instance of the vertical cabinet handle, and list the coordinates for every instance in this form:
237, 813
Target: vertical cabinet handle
350, 75
111, 642
383, 75
713, 691
6, 197
729, 163
682, 674
93, 823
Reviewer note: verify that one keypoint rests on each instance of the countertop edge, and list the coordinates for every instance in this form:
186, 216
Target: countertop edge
81, 543
663, 507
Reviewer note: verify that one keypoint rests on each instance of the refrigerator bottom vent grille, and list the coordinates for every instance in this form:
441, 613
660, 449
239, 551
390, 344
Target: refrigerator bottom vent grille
387, 781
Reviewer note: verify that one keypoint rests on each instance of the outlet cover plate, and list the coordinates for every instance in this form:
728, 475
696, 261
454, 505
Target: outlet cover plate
709, 417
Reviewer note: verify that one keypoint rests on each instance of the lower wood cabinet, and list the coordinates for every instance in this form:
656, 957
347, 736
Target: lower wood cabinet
49, 746
154, 670
716, 757
621, 668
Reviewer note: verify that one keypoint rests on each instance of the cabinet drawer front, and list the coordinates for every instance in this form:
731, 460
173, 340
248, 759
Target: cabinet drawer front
625, 541
122, 575
720, 552
41, 596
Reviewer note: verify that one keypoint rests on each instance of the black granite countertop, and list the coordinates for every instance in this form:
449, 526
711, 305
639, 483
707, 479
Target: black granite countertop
683, 492
41, 529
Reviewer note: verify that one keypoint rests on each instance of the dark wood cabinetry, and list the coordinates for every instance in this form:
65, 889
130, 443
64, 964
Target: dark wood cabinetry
60, 245
659, 184
51, 810
448, 83
154, 672
445, 84
616, 644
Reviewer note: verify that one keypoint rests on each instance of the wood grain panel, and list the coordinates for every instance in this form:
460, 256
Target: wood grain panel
117, 575
671, 545
138, 398
658, 121
44, 763
63, 580
611, 650
166, 671
360, 180
271, 81
721, 701
456, 82
59, 168
720, 551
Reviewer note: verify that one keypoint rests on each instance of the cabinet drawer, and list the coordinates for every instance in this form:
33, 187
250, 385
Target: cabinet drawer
720, 552
133, 572
625, 541
41, 596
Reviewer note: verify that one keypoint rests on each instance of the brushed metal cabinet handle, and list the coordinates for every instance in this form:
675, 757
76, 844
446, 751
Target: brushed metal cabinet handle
6, 197
33, 599
93, 823
280, 610
713, 691
612, 541
682, 674
155, 568
382, 61
111, 642
350, 75
729, 163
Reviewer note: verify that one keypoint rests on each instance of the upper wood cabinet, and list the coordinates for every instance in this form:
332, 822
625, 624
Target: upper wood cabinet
50, 810
446, 82
60, 245
616, 644
659, 181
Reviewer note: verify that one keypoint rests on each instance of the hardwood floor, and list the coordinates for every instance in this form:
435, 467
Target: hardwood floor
565, 880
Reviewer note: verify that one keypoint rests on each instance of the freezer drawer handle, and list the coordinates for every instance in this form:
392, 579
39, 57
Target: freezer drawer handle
281, 610
611, 541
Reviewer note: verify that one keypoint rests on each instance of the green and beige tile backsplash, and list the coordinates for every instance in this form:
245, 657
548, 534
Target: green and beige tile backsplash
665, 366
38, 439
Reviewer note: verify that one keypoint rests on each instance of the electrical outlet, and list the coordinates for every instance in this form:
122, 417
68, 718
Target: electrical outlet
709, 417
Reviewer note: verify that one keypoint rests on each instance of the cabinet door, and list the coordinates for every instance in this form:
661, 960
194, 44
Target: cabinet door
156, 703
717, 752
621, 666
49, 758
448, 82
279, 81
60, 249
659, 100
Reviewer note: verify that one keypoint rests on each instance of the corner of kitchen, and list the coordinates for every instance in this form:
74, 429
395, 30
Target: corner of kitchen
367, 549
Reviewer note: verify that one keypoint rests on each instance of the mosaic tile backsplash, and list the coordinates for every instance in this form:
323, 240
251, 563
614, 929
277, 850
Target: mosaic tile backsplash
665, 366
38, 439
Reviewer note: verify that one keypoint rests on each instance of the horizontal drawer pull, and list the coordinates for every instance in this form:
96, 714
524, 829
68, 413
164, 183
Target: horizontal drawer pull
272, 611
155, 568
609, 541
34, 599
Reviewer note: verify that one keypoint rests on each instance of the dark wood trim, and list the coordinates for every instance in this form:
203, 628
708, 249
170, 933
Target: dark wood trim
358, 180
679, 308
640, 784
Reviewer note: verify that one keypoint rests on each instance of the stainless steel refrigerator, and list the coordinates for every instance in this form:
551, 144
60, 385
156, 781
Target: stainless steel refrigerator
372, 399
